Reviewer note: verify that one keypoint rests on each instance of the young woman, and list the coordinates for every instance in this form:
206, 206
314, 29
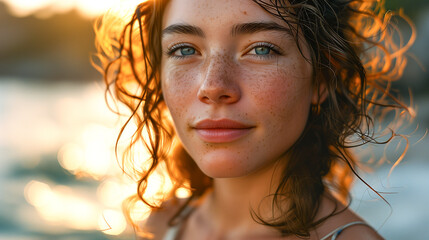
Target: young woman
253, 105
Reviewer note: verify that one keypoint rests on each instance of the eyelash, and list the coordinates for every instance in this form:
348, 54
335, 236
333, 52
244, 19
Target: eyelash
171, 50
268, 45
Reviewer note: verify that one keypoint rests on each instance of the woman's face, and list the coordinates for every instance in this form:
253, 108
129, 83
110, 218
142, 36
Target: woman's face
238, 88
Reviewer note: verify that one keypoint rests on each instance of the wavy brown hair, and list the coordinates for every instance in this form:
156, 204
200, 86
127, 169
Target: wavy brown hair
353, 53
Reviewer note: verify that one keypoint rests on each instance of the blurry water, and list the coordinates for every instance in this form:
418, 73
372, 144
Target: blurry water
37, 120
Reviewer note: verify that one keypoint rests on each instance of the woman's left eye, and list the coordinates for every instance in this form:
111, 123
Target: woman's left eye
264, 49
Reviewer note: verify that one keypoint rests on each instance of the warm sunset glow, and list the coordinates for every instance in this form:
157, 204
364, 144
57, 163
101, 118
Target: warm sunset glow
112, 222
140, 212
90, 153
140, 152
23, 8
46, 8
183, 193
112, 192
38, 194
93, 152
71, 157
158, 185
59, 205
96, 140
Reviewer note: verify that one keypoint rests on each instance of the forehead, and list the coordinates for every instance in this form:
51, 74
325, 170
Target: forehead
215, 13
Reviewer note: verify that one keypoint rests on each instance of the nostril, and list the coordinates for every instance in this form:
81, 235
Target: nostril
224, 97
220, 95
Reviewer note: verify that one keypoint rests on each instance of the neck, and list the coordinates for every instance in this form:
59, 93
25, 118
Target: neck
232, 201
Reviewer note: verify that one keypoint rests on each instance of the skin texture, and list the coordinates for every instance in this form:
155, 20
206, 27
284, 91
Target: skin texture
225, 79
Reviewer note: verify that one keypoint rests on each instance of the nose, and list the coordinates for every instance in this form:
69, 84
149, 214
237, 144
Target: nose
219, 84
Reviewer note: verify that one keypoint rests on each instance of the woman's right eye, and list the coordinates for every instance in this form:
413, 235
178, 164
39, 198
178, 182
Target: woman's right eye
181, 51
186, 51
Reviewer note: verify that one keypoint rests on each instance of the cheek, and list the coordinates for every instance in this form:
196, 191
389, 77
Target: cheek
175, 81
281, 90
177, 89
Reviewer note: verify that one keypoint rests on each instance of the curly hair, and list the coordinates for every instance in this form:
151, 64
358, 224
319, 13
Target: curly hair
353, 53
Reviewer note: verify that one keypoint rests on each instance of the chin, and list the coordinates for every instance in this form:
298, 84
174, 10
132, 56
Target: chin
223, 172
216, 166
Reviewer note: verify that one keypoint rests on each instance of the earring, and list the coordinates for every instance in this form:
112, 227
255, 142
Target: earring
315, 109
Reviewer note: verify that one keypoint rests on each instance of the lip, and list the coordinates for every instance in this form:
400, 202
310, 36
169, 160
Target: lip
221, 131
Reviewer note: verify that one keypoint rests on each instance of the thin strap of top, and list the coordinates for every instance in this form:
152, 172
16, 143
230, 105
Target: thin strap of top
338, 231
174, 231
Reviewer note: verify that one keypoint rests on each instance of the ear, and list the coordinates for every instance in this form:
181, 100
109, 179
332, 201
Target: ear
320, 93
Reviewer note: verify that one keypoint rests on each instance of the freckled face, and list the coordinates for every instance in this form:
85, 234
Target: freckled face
237, 87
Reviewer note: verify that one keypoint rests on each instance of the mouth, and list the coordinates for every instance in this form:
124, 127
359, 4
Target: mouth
221, 131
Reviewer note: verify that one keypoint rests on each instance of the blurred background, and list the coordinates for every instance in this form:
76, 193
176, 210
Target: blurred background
59, 178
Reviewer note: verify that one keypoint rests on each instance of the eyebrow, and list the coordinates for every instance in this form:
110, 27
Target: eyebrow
253, 27
238, 29
183, 29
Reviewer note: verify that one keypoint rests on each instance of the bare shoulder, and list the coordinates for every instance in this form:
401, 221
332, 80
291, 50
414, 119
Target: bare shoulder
157, 222
347, 224
359, 232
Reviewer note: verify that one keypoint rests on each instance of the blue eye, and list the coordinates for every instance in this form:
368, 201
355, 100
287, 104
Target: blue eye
262, 50
186, 51
181, 50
